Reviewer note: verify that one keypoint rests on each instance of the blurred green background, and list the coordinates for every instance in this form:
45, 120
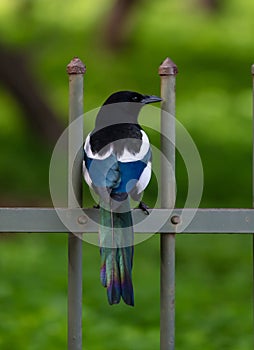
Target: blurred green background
122, 46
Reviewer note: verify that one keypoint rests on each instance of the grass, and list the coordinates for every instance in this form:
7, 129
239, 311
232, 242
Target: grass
213, 296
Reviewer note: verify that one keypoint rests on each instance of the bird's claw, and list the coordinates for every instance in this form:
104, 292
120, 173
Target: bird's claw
144, 208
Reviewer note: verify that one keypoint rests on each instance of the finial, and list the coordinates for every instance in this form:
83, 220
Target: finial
76, 66
168, 67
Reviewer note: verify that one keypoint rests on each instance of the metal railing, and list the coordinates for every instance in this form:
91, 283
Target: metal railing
208, 221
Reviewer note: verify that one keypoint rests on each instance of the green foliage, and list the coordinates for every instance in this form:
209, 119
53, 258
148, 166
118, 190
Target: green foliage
214, 53
213, 295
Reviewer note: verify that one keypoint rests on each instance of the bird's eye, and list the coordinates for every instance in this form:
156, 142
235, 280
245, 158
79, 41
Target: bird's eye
135, 98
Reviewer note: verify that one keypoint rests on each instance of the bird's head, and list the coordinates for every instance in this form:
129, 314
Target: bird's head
123, 107
131, 97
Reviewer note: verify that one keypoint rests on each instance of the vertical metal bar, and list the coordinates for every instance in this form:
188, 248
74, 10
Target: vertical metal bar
167, 72
252, 71
75, 70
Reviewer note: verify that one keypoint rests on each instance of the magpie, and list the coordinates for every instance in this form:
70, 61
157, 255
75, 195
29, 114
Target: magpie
117, 166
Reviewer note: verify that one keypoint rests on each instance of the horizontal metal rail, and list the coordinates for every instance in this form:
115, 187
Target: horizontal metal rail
86, 220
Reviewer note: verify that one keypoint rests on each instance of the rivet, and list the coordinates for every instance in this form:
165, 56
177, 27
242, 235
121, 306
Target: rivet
176, 219
82, 219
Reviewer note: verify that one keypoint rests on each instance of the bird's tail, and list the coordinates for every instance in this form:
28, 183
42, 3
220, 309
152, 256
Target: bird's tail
116, 248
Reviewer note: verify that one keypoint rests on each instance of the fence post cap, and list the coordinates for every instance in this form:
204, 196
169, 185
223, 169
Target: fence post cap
168, 67
76, 66
252, 69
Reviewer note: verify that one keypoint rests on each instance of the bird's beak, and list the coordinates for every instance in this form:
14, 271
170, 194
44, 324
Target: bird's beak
150, 99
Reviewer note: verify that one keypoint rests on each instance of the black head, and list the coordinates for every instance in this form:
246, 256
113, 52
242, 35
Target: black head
131, 96
122, 107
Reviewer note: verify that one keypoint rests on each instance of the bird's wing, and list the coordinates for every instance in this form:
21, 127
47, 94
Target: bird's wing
135, 169
102, 173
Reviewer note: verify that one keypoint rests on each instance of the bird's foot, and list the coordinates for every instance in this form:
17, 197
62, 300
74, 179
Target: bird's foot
144, 208
96, 206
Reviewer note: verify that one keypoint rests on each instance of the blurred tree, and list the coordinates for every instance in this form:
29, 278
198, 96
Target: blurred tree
25, 6
17, 77
211, 5
117, 23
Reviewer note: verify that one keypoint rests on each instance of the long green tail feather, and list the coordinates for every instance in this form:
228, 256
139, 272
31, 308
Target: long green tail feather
116, 242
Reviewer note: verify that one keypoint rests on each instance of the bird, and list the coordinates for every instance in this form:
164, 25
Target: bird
117, 166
